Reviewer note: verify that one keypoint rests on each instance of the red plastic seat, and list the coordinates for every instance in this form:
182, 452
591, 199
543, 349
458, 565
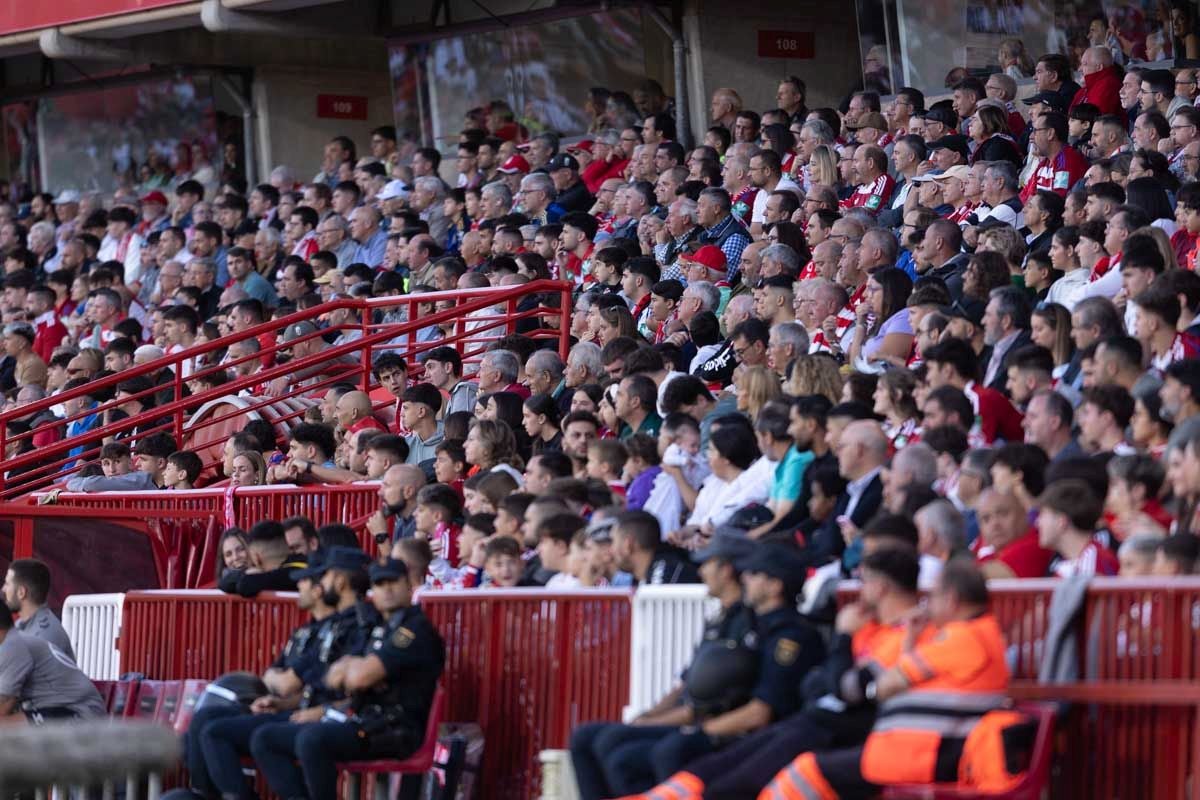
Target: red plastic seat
106, 689
416, 764
123, 696
168, 702
1030, 787
190, 695
146, 699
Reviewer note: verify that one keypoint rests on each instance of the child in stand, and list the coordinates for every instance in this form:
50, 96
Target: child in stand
510, 516
182, 470
554, 548
475, 531
679, 449
502, 564
115, 459
450, 465
606, 462
437, 508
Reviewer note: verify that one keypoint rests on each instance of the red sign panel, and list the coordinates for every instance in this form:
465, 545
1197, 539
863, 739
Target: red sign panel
341, 106
787, 44
17, 16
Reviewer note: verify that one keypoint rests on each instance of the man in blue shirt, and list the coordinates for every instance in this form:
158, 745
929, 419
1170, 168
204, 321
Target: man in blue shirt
371, 239
242, 273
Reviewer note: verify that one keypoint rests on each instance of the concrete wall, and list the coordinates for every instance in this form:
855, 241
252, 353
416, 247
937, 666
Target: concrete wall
723, 51
287, 128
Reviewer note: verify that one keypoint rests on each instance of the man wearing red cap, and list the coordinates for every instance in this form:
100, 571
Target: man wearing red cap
512, 171
154, 214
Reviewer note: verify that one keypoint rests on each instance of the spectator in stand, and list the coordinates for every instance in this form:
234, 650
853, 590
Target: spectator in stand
1068, 513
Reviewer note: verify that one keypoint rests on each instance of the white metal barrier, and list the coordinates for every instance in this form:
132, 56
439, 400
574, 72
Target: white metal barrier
668, 622
93, 624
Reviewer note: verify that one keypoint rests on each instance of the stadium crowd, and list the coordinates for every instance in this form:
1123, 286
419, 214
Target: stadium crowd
920, 343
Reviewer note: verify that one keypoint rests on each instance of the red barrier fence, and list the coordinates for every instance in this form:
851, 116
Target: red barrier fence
526, 664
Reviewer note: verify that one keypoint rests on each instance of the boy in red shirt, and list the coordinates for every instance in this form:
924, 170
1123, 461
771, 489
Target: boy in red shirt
1069, 511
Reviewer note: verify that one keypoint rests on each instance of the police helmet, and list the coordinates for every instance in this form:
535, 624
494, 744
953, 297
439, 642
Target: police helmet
721, 677
233, 690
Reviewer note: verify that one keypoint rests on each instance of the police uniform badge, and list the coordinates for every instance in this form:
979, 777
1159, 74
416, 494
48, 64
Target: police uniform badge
403, 637
786, 652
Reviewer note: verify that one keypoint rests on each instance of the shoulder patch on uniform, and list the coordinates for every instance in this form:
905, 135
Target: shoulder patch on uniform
874, 201
403, 637
786, 651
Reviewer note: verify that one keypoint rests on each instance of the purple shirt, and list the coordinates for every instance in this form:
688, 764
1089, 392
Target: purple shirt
897, 323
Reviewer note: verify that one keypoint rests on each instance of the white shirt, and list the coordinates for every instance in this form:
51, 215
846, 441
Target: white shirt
857, 487
718, 499
760, 199
1068, 290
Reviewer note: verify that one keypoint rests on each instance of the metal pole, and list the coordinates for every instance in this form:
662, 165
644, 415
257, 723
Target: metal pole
683, 131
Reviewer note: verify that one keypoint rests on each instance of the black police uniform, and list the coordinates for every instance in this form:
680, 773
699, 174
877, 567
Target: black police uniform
826, 722
671, 566
225, 742
387, 721
297, 655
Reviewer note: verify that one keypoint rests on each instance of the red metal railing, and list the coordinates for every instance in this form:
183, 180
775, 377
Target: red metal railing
527, 665
474, 329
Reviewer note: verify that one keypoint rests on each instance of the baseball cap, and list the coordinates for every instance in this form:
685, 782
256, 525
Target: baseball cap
600, 530
514, 164
728, 543
928, 177
315, 568
944, 115
297, 331
872, 119
954, 141
778, 560
710, 256
584, 144
960, 171
390, 570
563, 161
1052, 99
394, 190
155, 197
326, 278
66, 196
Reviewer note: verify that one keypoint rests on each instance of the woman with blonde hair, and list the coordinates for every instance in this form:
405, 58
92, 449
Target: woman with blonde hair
1050, 327
1014, 60
615, 322
756, 386
249, 469
823, 166
815, 373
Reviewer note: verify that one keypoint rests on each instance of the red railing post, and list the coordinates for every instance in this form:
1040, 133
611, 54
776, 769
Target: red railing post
512, 312
564, 324
368, 350
178, 415
4, 448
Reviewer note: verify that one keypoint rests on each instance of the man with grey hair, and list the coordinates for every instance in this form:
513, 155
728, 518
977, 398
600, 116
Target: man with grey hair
681, 229
427, 199
333, 234
495, 199
370, 238
498, 371
914, 465
544, 375
698, 296
861, 453
542, 148
813, 134
788, 340
1000, 193
537, 199
878, 249
584, 365
281, 178
1006, 329
941, 534
721, 228
780, 259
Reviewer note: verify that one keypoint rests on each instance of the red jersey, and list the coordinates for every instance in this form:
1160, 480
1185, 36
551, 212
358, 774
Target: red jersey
1095, 559
1056, 174
809, 272
1024, 556
994, 414
1184, 348
872, 196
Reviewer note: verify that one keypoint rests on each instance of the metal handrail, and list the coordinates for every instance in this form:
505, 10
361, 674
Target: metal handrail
373, 335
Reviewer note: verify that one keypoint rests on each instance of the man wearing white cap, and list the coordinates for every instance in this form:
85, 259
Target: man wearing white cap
66, 210
952, 182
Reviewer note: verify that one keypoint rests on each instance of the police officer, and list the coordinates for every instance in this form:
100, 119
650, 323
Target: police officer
390, 683
343, 584
41, 681
613, 760
284, 679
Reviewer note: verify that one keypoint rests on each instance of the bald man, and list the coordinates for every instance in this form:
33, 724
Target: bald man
1101, 81
398, 500
1010, 544
862, 450
354, 413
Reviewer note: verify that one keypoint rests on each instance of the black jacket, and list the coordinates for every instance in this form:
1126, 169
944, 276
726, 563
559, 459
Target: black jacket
1000, 381
827, 542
